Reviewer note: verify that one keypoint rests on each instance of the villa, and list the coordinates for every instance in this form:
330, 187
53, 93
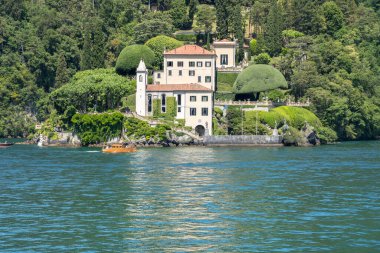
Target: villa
188, 78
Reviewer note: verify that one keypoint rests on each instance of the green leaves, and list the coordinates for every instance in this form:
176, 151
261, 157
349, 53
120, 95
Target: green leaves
130, 57
159, 44
257, 78
97, 128
92, 90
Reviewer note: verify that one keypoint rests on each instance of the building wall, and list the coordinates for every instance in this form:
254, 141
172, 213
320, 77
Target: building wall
186, 105
198, 119
171, 74
228, 50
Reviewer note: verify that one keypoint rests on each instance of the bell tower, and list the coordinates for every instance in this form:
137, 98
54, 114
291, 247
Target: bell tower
141, 82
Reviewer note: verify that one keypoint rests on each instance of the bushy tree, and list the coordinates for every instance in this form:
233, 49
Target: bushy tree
92, 90
130, 57
333, 16
205, 19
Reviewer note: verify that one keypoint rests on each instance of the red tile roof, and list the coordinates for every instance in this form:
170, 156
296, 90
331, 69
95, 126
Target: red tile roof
189, 50
177, 87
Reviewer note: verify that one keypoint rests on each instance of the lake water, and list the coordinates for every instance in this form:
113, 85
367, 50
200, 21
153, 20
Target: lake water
196, 199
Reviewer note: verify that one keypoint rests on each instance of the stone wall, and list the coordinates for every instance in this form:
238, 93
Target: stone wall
243, 140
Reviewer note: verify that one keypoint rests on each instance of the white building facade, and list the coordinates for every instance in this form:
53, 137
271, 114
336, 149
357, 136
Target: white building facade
189, 77
225, 51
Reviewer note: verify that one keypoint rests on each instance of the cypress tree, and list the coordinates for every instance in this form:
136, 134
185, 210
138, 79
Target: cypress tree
238, 29
98, 50
86, 50
273, 30
192, 8
93, 52
61, 73
221, 18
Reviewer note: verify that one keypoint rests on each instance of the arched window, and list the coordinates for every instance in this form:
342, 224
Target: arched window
140, 78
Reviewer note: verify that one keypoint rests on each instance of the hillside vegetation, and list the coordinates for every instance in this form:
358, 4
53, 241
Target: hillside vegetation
328, 51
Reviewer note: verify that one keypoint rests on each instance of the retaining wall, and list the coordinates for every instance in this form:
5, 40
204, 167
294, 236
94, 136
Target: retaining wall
242, 140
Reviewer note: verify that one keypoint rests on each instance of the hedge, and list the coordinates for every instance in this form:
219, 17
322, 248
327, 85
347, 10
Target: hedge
171, 107
156, 108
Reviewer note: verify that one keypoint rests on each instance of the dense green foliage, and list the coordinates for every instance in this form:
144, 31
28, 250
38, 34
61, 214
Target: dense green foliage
97, 128
171, 107
328, 51
258, 78
137, 129
156, 107
296, 116
262, 58
161, 43
92, 90
130, 57
261, 122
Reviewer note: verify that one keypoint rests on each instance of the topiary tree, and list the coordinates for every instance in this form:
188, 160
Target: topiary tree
159, 44
258, 78
130, 57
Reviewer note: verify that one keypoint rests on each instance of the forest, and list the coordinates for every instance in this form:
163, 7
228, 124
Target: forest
57, 57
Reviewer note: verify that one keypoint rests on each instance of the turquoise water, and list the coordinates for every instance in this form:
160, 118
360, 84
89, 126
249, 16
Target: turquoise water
197, 199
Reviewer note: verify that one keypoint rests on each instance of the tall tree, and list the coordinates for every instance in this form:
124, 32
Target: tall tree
93, 52
273, 30
237, 29
205, 19
221, 18
334, 17
192, 8
61, 73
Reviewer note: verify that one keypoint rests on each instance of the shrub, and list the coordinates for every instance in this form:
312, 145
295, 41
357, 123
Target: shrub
253, 47
130, 57
97, 128
258, 78
159, 44
326, 135
138, 129
275, 95
292, 136
262, 58
296, 116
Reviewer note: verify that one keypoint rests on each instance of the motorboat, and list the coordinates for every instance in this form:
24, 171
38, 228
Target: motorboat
119, 148
5, 144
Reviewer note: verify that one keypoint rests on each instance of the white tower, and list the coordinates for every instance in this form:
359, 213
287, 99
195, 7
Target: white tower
141, 82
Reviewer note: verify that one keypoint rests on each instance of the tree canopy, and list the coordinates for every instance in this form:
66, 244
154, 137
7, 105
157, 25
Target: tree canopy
159, 44
258, 78
130, 57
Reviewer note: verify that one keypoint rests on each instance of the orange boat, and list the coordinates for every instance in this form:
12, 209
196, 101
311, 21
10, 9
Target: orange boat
119, 148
